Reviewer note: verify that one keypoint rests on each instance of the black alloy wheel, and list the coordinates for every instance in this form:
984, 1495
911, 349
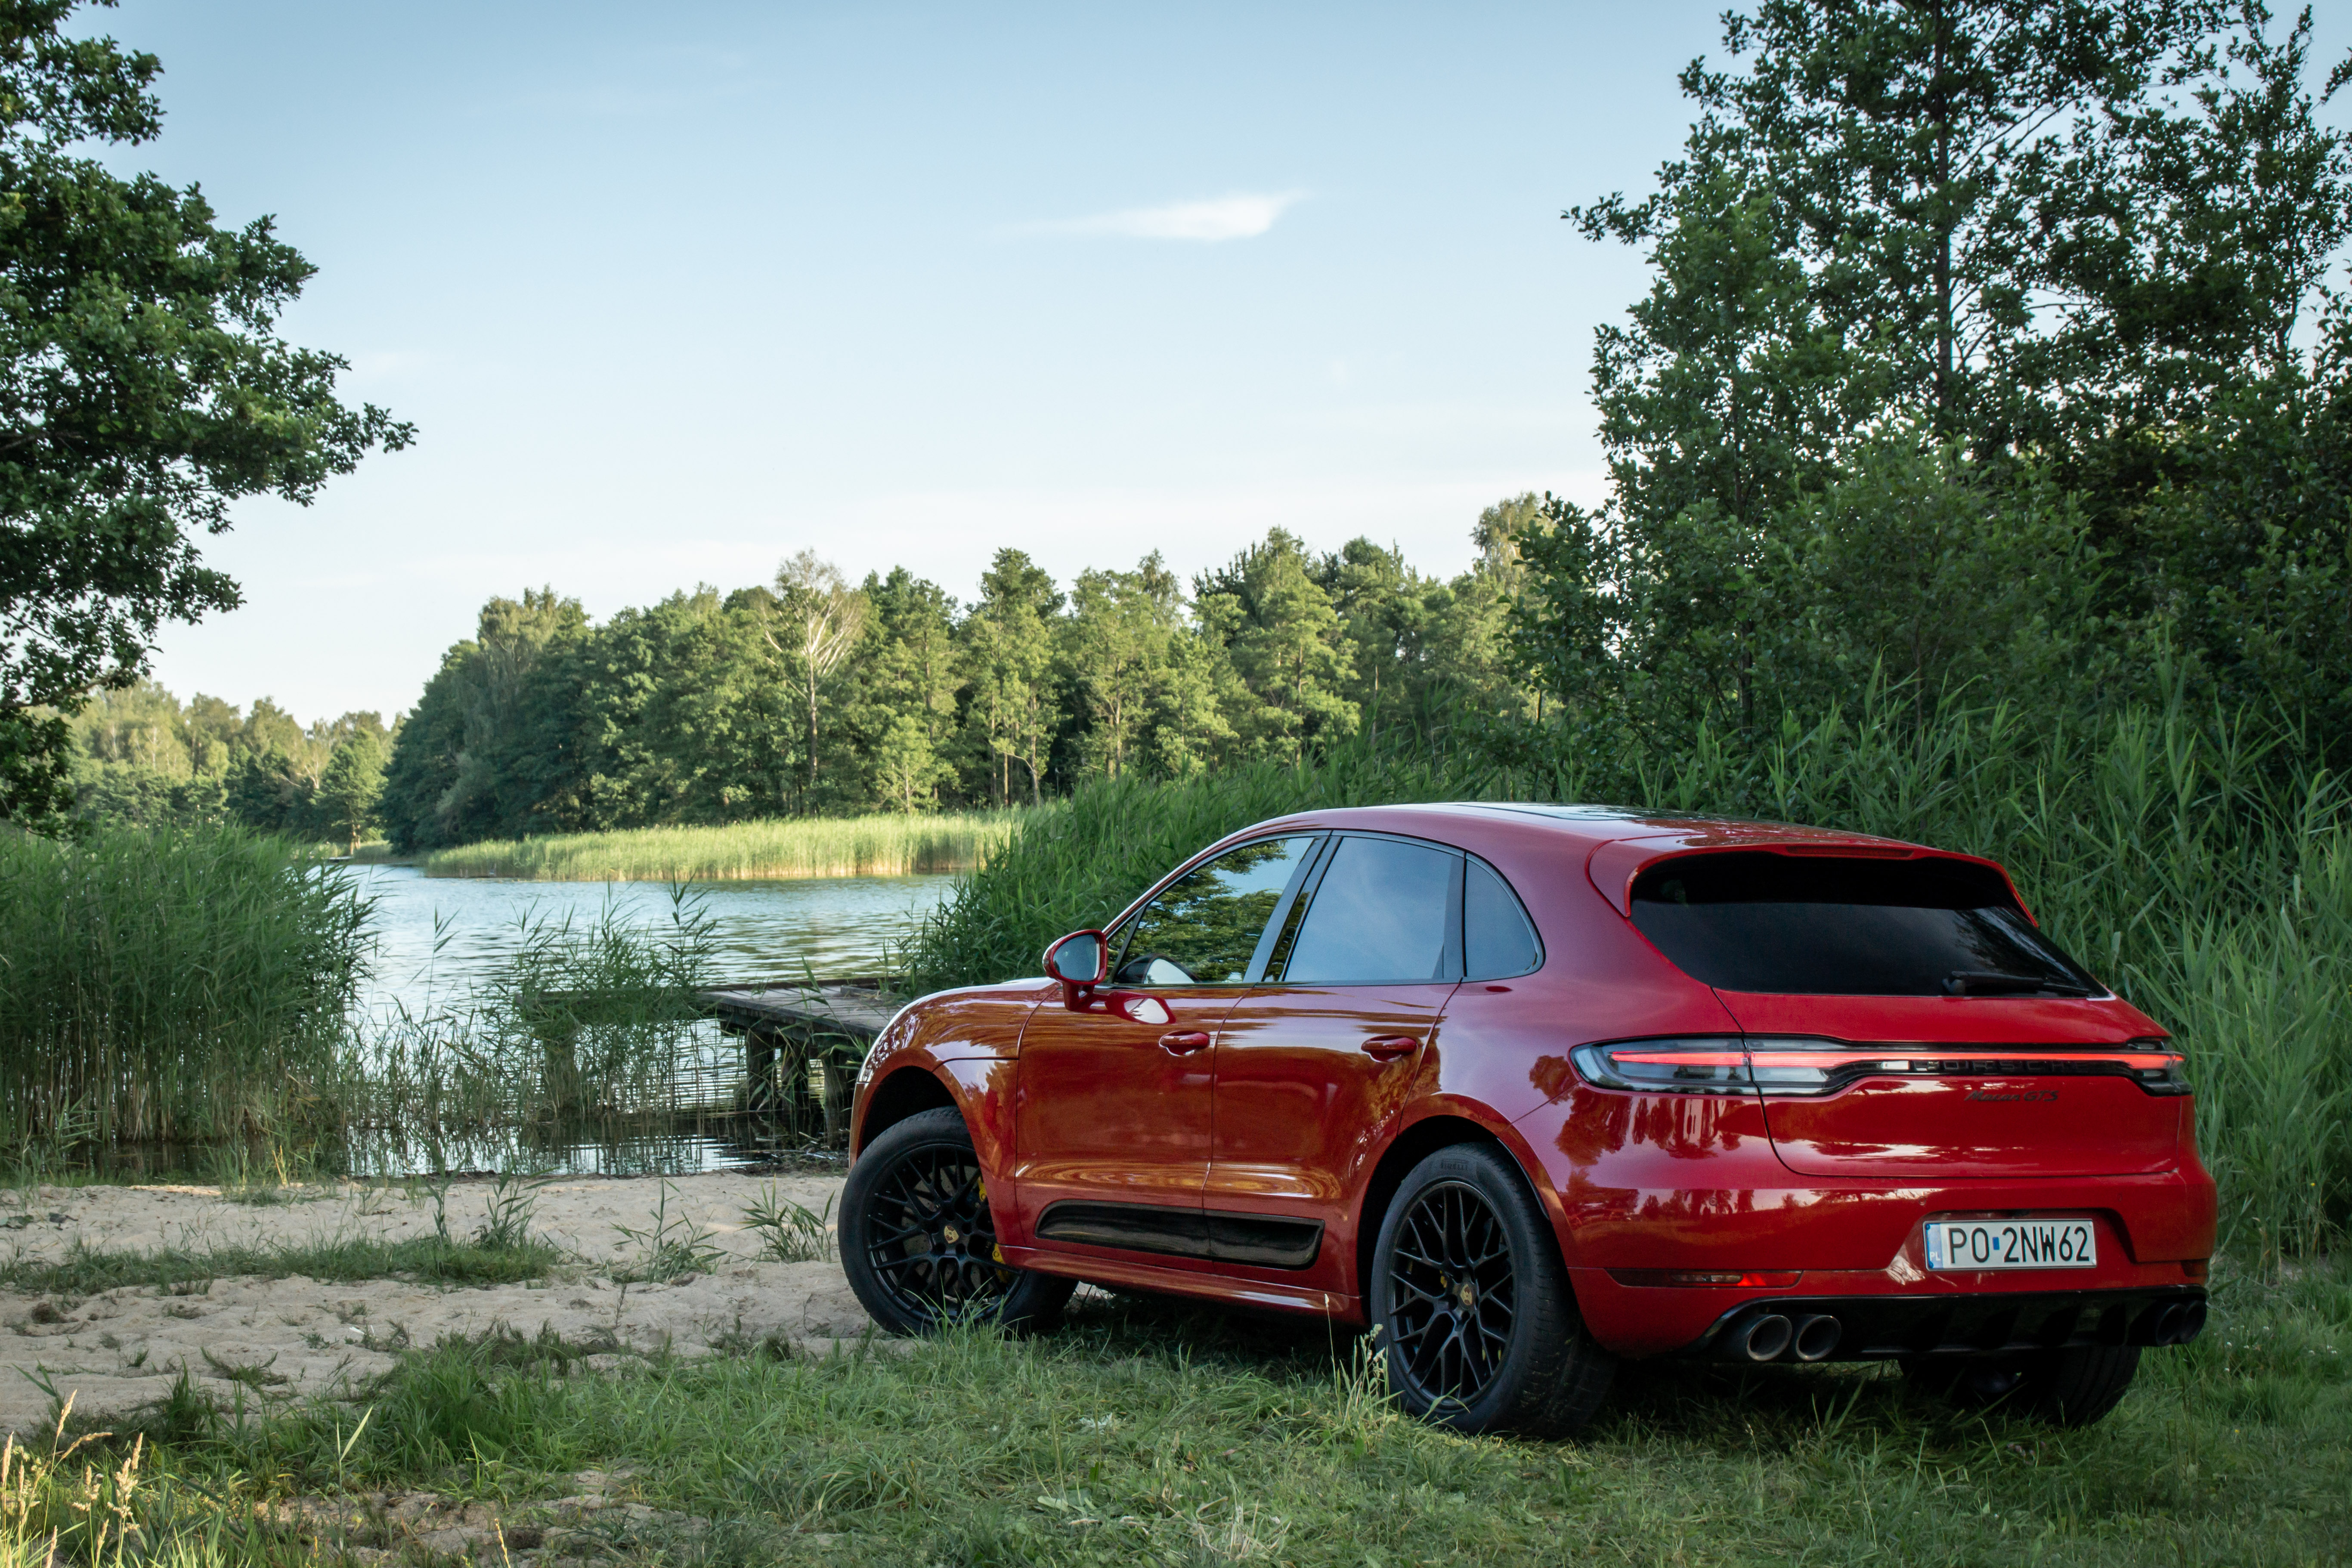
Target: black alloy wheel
1477, 1325
917, 1239
1453, 1295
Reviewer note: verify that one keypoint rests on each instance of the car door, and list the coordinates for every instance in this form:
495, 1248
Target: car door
1112, 1122
1314, 1064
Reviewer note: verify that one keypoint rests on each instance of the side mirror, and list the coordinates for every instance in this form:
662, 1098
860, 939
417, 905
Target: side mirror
1080, 961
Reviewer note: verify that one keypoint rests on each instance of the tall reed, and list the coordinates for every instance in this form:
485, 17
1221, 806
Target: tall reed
169, 985
2184, 855
782, 849
589, 1018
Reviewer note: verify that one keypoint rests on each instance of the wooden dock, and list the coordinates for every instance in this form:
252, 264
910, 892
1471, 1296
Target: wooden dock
802, 1044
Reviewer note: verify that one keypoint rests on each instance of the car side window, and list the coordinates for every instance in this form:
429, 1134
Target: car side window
1499, 941
1203, 928
1383, 910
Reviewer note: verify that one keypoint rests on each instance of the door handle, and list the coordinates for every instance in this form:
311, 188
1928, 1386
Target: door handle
1389, 1047
1184, 1042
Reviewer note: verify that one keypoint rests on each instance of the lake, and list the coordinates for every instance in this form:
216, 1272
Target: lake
438, 938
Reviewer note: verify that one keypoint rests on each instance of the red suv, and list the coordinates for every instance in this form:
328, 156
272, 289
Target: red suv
1526, 1089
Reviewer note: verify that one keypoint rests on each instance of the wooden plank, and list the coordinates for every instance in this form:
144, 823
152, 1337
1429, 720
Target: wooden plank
854, 1008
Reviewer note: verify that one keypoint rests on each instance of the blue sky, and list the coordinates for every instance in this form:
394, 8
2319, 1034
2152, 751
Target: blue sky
674, 291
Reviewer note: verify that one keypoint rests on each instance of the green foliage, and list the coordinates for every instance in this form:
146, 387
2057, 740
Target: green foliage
478, 752
170, 985
1010, 652
1978, 347
809, 698
138, 758
144, 385
350, 787
789, 1232
1079, 867
181, 1269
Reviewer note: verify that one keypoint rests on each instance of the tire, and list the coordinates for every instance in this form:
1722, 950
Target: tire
918, 1242
1510, 1356
2060, 1388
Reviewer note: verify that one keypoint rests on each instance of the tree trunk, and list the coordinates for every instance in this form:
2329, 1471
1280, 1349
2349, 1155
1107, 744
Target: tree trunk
811, 756
1938, 106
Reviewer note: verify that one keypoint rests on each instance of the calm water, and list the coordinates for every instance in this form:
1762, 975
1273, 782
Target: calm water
437, 938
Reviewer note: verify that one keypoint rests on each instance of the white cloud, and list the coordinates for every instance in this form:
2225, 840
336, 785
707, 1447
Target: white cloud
1242, 215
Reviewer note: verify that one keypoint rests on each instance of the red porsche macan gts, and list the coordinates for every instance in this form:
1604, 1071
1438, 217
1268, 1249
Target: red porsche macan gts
1529, 1088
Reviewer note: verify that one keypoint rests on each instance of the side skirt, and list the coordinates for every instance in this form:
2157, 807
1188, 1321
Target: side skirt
1265, 1241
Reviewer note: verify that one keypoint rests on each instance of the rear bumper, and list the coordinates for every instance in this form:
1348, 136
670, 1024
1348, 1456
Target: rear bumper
1642, 1186
1886, 1312
1880, 1327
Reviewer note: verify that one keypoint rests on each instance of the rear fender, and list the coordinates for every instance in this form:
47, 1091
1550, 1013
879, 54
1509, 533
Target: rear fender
1436, 1123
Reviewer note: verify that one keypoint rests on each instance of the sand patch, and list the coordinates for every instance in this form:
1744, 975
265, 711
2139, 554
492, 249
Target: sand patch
267, 1340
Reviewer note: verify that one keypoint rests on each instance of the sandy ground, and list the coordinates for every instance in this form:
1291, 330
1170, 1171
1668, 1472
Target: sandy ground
295, 1337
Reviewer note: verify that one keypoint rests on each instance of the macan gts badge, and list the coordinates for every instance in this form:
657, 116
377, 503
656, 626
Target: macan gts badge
1530, 1089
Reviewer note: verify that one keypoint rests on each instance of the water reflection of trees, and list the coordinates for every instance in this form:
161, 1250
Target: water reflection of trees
1679, 1126
1208, 922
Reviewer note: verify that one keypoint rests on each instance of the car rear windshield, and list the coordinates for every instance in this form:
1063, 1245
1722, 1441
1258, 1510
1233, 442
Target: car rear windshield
1826, 925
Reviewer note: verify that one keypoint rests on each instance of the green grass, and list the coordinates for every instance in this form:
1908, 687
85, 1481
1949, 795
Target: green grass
1161, 1432
782, 849
2184, 855
85, 1272
166, 985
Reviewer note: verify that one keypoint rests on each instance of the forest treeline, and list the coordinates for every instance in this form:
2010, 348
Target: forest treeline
140, 756
809, 694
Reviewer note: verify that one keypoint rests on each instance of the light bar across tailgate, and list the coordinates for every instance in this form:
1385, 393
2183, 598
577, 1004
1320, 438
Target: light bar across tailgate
1736, 1065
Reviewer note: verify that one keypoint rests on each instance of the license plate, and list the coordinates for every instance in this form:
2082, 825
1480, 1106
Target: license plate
1975, 1244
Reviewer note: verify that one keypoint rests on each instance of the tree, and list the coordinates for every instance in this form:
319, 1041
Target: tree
264, 794
1009, 648
1723, 398
905, 766
1116, 652
1909, 563
143, 389
1471, 662
821, 617
350, 786
1387, 612
494, 742
906, 669
1286, 644
1935, 257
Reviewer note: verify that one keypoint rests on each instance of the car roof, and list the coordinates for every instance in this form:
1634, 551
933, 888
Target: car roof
1583, 826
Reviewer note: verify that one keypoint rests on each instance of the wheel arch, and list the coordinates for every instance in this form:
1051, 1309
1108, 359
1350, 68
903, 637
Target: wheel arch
1440, 1129
908, 1091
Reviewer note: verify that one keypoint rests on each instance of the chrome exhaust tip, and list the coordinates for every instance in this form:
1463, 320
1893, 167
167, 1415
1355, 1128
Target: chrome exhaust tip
2193, 1322
1817, 1336
1767, 1337
2168, 1325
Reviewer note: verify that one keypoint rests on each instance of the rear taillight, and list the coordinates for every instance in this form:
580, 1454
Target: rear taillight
1729, 1065
1702, 1066
2160, 1071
